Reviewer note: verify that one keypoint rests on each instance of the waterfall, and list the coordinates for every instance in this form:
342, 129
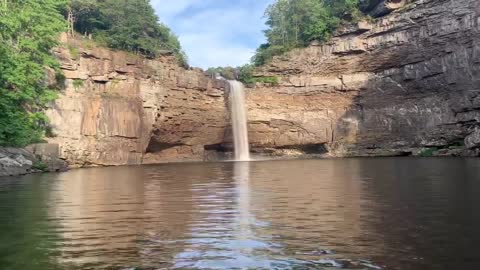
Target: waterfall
239, 121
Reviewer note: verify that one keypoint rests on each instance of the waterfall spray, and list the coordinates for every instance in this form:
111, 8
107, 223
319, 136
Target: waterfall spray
239, 121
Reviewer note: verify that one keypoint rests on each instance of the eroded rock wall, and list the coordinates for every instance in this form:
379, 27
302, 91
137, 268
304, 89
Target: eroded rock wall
407, 83
117, 108
398, 86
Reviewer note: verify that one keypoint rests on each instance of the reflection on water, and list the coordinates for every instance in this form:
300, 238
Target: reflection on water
310, 214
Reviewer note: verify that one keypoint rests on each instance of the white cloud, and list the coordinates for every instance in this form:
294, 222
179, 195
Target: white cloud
207, 50
215, 32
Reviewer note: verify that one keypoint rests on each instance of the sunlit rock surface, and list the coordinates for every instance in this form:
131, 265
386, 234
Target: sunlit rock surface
407, 83
118, 108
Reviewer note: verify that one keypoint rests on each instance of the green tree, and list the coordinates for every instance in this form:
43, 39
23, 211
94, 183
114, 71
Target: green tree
83, 16
28, 31
129, 25
296, 23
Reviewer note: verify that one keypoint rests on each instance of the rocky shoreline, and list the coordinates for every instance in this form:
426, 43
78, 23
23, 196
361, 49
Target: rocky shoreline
32, 159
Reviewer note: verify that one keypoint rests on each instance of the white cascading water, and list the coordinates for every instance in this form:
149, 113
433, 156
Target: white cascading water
239, 121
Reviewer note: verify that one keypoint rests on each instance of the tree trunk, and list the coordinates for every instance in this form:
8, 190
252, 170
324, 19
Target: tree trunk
71, 22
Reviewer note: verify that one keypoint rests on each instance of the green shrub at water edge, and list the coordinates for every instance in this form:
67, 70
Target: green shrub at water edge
40, 165
428, 152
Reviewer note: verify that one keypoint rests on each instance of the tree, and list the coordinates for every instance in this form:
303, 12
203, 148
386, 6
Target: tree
83, 16
296, 23
129, 25
28, 31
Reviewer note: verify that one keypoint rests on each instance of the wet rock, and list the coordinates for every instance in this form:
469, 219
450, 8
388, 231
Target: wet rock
473, 140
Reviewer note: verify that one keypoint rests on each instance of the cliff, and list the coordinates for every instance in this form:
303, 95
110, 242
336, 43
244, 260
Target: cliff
117, 108
406, 84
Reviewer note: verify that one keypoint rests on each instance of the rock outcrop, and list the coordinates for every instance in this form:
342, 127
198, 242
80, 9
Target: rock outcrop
34, 158
378, 8
15, 161
407, 83
404, 84
117, 108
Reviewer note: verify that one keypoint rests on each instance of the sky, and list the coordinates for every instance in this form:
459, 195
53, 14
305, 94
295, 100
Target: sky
215, 32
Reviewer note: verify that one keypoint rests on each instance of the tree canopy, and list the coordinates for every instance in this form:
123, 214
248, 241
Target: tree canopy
293, 24
129, 25
296, 23
28, 31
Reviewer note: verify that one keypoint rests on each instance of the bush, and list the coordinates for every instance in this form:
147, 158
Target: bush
40, 166
428, 152
77, 83
243, 74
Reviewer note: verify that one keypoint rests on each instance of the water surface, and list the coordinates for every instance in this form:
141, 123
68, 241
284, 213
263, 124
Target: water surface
394, 213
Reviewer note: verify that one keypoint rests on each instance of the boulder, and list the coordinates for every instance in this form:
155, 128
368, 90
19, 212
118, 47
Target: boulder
473, 140
15, 161
47, 157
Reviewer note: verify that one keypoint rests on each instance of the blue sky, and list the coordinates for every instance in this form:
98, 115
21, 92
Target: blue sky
215, 32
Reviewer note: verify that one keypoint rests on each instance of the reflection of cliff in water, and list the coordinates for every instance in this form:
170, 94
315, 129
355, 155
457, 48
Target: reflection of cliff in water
401, 213
121, 216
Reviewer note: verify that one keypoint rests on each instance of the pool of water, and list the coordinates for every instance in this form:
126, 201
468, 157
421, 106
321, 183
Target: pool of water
389, 213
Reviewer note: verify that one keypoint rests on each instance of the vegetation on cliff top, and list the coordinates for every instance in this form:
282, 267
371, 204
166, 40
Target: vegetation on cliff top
129, 25
296, 23
28, 31
243, 73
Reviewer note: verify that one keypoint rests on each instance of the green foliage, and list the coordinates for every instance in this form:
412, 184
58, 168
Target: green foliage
28, 31
129, 25
60, 80
40, 165
273, 80
243, 73
428, 152
77, 83
74, 52
296, 23
229, 73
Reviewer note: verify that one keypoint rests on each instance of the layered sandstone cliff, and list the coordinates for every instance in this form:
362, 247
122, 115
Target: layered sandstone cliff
406, 84
117, 108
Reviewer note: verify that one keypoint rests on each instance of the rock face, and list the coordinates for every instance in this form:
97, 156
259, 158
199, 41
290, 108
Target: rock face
35, 158
47, 157
15, 161
378, 8
118, 109
406, 84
